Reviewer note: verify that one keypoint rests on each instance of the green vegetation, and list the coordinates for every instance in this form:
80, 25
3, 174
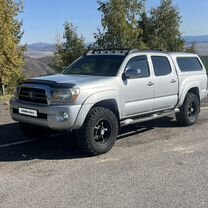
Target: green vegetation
125, 24
136, 29
192, 48
162, 27
69, 50
120, 24
11, 54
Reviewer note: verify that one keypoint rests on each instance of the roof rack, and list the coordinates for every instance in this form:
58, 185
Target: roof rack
122, 51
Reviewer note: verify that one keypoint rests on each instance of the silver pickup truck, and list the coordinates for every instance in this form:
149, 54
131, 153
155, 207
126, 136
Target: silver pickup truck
105, 90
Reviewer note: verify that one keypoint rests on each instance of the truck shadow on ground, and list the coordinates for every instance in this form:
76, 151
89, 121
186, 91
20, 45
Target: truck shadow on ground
61, 147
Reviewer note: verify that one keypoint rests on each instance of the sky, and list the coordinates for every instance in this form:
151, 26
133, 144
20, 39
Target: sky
43, 19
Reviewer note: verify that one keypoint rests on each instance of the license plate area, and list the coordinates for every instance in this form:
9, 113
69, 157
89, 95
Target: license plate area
28, 112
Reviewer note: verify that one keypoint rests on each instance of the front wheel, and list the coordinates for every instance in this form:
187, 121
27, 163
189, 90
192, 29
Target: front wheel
189, 111
99, 131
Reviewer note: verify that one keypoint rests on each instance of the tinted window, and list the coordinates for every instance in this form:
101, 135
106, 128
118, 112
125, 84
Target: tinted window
141, 63
189, 64
97, 65
161, 65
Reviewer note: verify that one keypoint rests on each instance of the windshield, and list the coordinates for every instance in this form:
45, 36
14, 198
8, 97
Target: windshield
97, 65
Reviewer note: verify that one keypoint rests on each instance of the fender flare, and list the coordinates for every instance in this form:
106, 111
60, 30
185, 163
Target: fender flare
93, 100
186, 88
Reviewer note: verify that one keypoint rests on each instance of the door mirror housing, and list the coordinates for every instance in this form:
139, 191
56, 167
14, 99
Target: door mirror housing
133, 73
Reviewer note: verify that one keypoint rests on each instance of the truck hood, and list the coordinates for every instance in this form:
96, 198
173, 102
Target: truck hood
76, 80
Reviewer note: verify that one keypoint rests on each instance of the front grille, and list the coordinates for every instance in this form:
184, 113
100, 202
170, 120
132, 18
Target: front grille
33, 95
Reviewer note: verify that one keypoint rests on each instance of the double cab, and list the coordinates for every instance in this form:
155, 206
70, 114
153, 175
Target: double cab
105, 90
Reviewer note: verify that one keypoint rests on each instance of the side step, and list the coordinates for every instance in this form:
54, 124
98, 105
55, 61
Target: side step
148, 118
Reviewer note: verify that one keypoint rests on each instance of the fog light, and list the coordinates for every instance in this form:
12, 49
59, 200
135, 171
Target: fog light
62, 116
65, 116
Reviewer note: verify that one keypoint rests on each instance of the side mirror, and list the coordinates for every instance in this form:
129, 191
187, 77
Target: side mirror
133, 73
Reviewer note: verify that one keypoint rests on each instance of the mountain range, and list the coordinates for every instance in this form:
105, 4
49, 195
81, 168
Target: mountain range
47, 47
196, 39
38, 50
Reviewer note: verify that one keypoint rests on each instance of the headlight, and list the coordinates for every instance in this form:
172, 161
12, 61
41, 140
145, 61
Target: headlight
64, 95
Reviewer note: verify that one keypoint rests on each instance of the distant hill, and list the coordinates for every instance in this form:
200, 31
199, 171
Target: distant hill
202, 49
42, 50
35, 68
39, 50
38, 54
47, 47
201, 43
38, 59
49, 60
196, 39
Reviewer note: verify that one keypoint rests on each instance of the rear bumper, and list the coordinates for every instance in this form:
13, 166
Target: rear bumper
50, 116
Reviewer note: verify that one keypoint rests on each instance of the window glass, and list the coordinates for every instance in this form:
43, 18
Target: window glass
161, 65
96, 65
189, 64
141, 63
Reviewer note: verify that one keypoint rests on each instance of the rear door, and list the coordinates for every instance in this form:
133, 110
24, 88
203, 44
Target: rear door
166, 82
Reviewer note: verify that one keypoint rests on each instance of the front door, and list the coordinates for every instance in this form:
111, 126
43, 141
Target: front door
138, 92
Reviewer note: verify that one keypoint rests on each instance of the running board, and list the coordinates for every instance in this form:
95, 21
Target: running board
149, 118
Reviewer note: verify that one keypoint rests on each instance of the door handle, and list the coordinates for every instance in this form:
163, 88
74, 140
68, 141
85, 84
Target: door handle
173, 81
150, 84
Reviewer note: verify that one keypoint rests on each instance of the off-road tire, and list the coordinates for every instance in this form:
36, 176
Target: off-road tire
33, 131
100, 120
189, 111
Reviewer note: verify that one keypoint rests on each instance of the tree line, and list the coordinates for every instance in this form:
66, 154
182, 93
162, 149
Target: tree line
125, 24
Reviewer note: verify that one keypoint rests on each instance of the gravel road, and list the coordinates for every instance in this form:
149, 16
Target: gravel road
156, 164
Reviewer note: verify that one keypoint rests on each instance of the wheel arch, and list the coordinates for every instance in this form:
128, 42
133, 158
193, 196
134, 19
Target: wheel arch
109, 103
195, 90
191, 88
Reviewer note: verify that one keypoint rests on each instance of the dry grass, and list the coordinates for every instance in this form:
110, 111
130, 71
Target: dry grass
5, 99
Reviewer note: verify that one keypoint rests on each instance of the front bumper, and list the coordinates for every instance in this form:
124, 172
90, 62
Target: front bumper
49, 115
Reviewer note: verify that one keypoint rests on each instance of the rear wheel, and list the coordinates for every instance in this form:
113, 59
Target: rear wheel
33, 131
189, 111
99, 131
